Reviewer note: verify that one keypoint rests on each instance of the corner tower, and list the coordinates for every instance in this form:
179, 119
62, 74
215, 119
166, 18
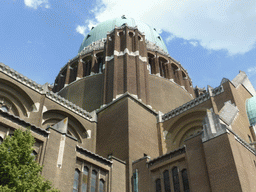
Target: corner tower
126, 64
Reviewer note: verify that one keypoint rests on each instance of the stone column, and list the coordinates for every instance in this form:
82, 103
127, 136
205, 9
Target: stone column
80, 69
170, 72
94, 63
186, 83
166, 72
67, 75
156, 64
180, 77
58, 83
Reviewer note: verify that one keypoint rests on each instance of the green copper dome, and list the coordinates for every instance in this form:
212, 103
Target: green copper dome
101, 30
251, 110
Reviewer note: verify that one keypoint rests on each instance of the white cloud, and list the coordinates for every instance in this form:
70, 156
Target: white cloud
91, 24
84, 29
194, 43
81, 29
251, 71
36, 3
214, 24
169, 38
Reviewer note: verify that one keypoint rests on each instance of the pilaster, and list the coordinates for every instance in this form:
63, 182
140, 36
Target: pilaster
80, 69
67, 75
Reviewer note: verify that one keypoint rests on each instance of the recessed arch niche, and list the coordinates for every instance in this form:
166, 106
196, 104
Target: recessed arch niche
75, 128
17, 101
186, 125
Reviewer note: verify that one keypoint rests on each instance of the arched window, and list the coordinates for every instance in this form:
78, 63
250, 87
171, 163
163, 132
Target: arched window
185, 180
76, 181
102, 185
1, 140
175, 177
85, 179
167, 187
158, 185
93, 181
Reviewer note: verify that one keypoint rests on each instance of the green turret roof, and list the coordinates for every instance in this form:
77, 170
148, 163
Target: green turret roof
101, 30
251, 110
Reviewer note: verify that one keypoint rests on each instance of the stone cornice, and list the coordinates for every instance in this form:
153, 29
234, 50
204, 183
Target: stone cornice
42, 89
192, 103
23, 123
133, 97
69, 105
21, 78
166, 156
93, 155
126, 51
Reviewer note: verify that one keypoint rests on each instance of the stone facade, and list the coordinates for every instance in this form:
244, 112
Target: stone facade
123, 116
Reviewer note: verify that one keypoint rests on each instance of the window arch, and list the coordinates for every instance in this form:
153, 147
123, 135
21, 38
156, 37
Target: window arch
167, 186
102, 186
158, 185
85, 179
93, 181
185, 180
175, 177
76, 181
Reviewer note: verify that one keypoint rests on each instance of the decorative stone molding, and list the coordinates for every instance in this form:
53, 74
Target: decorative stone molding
109, 58
19, 77
69, 105
153, 47
126, 51
97, 45
91, 154
171, 154
42, 90
23, 123
192, 103
129, 27
133, 97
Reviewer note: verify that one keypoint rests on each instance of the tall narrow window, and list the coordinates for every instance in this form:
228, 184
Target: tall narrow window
185, 180
76, 181
100, 60
135, 181
93, 181
250, 138
175, 177
167, 187
102, 185
158, 185
85, 179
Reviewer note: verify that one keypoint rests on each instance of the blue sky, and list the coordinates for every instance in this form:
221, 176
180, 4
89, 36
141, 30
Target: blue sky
212, 39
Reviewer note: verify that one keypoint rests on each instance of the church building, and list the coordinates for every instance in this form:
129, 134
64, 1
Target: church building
123, 116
